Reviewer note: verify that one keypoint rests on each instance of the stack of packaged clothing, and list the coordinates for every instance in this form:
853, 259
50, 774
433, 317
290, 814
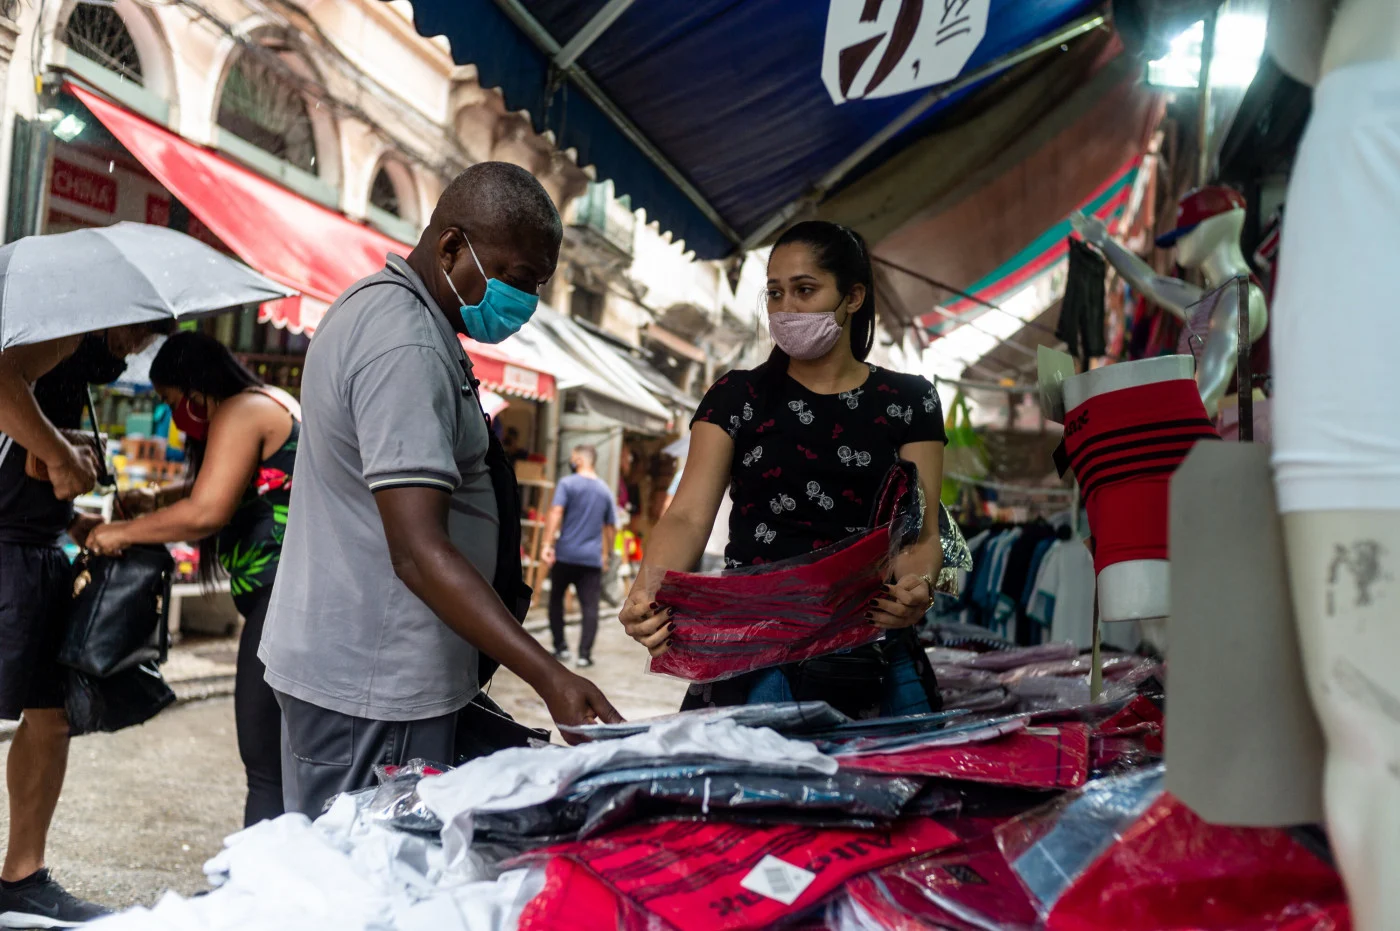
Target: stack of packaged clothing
780, 816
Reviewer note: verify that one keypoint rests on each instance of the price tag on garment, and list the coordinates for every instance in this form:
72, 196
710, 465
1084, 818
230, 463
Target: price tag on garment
1053, 367
777, 879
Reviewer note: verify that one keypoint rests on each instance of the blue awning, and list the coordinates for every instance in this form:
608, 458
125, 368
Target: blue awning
714, 115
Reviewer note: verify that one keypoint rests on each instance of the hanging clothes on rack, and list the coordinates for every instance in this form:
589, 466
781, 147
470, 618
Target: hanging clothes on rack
1007, 562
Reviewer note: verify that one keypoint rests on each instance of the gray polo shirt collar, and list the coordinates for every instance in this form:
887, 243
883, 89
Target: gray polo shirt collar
395, 264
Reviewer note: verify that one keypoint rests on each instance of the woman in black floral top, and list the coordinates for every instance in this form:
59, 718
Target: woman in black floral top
803, 443
242, 439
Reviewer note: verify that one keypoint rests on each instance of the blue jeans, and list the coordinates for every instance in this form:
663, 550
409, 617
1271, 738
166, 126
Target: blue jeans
903, 696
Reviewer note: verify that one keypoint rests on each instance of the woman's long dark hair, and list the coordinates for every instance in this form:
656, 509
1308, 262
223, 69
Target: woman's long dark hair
841, 251
192, 361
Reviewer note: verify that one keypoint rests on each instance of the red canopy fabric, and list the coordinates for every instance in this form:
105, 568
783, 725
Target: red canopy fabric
290, 239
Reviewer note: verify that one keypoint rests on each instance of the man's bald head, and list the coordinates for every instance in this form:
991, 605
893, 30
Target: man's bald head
499, 201
495, 220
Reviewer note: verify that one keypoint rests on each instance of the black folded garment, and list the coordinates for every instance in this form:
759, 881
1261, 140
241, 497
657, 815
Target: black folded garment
842, 800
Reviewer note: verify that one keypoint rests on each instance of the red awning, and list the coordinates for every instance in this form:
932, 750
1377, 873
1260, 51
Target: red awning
505, 372
290, 239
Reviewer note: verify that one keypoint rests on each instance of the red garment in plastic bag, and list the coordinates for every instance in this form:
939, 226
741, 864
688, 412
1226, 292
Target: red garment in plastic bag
971, 888
1140, 716
1131, 737
1033, 758
1171, 871
725, 877
573, 899
726, 624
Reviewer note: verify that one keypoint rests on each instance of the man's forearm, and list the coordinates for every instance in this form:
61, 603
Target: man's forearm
23, 421
451, 586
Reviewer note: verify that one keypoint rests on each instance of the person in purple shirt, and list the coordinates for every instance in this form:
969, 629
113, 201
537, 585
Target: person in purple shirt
583, 517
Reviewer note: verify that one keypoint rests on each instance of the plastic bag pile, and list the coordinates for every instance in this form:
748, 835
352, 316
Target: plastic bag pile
1040, 811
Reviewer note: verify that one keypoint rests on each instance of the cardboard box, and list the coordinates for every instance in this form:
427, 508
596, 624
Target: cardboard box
526, 471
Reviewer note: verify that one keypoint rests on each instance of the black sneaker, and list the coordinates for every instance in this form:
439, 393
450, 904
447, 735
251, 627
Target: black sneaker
583, 662
562, 655
39, 902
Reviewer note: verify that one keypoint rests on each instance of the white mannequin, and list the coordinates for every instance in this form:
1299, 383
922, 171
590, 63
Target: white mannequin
1342, 566
1136, 590
1214, 248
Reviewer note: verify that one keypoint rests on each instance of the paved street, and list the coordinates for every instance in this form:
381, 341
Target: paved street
143, 809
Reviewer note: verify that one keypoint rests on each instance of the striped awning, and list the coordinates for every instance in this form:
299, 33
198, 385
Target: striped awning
1106, 203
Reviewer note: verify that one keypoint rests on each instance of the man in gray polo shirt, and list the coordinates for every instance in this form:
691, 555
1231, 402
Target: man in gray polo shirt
383, 596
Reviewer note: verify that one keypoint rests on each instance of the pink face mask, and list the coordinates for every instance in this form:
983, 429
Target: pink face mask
804, 336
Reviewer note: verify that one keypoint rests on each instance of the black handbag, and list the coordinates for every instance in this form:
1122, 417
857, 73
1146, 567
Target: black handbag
118, 618
121, 700
120, 610
483, 727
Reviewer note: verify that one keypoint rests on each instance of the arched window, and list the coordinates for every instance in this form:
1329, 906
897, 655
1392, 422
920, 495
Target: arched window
98, 33
384, 195
263, 106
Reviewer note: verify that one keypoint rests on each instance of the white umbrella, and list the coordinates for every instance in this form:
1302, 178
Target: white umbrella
92, 279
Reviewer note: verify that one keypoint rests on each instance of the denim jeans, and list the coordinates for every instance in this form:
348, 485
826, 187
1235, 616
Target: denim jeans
903, 696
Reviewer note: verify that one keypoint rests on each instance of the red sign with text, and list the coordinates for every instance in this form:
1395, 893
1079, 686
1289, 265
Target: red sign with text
84, 186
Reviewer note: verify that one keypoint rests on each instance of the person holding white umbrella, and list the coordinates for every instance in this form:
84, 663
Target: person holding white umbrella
78, 329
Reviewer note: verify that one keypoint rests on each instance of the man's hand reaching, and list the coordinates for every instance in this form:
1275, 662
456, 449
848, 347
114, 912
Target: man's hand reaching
573, 700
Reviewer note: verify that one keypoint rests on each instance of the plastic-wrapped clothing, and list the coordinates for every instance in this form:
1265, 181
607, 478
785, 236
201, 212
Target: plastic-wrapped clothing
972, 729
629, 796
1124, 854
971, 888
521, 777
737, 621
1171, 870
1050, 847
963, 678
980, 702
720, 877
791, 718
574, 898
889, 727
1024, 656
1039, 757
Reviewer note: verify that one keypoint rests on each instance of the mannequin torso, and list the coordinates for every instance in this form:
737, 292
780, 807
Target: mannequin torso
1137, 589
1337, 450
1214, 248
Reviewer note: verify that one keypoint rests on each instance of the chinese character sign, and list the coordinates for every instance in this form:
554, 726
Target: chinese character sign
879, 48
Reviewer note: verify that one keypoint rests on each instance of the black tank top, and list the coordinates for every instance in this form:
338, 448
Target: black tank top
29, 512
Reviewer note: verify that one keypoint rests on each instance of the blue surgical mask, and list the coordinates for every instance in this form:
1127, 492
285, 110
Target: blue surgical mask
503, 309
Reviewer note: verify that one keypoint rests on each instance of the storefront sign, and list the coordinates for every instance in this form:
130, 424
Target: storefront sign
521, 380
83, 186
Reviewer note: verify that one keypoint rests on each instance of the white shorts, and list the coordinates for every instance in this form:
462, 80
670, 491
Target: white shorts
1336, 316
